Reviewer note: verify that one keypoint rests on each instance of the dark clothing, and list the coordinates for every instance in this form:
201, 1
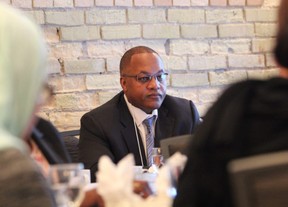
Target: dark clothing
109, 129
71, 144
50, 136
249, 118
21, 182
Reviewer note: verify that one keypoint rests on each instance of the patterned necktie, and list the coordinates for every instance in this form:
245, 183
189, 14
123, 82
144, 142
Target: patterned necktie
149, 139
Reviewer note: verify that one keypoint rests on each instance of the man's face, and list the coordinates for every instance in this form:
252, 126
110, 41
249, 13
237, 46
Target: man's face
141, 92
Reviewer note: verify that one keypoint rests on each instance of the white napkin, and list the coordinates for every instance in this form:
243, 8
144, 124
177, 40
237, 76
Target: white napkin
115, 183
176, 164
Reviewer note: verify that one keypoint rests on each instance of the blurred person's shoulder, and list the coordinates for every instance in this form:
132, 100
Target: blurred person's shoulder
26, 186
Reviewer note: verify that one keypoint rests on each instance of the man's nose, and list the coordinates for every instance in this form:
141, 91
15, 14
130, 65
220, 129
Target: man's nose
154, 82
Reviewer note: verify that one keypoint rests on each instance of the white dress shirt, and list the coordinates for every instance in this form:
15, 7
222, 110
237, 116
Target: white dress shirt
139, 116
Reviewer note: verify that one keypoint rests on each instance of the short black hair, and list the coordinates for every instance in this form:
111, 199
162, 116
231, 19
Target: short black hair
126, 58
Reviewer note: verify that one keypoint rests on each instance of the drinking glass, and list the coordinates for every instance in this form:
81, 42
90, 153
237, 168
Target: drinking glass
67, 182
157, 158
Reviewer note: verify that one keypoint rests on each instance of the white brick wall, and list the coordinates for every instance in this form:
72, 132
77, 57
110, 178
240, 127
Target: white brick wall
199, 31
175, 62
103, 81
207, 62
224, 16
261, 15
84, 3
186, 47
36, 16
25, 4
246, 61
85, 66
226, 77
63, 3
263, 45
121, 32
199, 2
161, 31
105, 16
236, 30
265, 30
204, 47
184, 80
186, 15
43, 3
66, 18
146, 15
231, 46
80, 33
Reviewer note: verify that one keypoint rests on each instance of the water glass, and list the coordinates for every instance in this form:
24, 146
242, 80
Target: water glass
67, 182
157, 158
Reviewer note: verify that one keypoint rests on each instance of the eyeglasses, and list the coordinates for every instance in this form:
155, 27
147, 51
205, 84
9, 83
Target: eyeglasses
144, 78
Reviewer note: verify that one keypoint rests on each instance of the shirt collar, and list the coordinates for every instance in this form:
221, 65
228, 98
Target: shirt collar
138, 114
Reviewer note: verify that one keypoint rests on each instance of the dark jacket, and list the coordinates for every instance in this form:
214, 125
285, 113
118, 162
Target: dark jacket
109, 129
249, 118
48, 139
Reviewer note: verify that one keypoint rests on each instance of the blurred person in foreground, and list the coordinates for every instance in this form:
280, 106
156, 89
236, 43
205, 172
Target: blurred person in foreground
249, 118
22, 85
47, 147
117, 127
22, 74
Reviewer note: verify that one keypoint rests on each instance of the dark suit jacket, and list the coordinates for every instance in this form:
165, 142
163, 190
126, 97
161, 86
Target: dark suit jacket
109, 129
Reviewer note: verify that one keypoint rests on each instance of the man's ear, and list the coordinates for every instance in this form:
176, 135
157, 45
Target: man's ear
123, 84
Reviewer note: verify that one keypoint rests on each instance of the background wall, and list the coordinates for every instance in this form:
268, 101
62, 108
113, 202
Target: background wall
206, 45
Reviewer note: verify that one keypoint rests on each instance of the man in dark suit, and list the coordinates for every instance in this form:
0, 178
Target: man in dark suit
116, 128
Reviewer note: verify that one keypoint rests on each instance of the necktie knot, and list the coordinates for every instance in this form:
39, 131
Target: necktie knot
149, 123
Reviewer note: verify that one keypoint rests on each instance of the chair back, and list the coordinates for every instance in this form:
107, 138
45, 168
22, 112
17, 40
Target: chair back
175, 144
74, 133
71, 141
260, 181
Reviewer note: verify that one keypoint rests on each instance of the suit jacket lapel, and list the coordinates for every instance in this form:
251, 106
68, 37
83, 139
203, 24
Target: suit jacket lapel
128, 132
164, 126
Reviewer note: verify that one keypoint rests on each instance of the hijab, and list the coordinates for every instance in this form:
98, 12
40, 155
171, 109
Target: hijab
22, 73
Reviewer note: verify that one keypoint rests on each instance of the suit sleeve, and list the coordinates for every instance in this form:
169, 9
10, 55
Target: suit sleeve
92, 144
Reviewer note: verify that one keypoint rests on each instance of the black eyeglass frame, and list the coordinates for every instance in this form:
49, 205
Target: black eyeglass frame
147, 78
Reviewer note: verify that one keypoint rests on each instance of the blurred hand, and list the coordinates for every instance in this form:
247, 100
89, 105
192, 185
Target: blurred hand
92, 199
142, 188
